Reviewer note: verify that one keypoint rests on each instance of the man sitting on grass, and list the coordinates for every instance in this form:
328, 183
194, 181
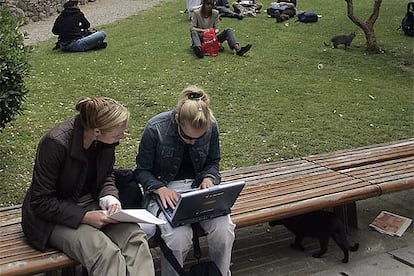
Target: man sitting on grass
205, 18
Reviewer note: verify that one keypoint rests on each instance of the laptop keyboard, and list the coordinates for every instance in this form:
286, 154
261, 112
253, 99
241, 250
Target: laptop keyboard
169, 211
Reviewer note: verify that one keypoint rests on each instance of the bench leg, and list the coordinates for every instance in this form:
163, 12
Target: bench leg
348, 214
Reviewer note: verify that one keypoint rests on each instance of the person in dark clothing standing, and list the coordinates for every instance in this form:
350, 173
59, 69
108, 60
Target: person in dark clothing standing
72, 28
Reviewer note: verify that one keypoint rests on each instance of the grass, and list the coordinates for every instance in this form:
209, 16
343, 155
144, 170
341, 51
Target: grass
271, 105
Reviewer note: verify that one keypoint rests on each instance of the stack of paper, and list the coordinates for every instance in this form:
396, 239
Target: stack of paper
390, 224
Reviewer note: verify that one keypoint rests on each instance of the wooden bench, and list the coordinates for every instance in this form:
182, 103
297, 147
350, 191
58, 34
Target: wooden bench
273, 191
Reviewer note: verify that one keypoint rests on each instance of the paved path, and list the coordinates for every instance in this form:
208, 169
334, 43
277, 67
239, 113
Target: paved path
98, 13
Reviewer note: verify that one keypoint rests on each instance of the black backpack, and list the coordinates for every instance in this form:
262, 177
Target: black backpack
307, 17
130, 193
407, 23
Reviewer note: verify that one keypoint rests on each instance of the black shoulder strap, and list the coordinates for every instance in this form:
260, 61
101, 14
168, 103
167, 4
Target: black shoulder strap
168, 253
196, 243
170, 256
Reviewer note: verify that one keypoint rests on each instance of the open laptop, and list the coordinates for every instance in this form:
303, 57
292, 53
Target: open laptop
198, 205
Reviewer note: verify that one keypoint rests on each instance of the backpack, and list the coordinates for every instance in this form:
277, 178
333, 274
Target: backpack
307, 16
407, 23
130, 194
210, 44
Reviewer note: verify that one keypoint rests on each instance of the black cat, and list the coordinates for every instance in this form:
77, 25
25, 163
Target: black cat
320, 225
341, 39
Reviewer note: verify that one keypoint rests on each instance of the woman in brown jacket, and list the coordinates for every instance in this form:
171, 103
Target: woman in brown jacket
73, 183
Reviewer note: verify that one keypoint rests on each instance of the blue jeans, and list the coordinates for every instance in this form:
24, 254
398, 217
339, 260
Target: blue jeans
86, 43
226, 34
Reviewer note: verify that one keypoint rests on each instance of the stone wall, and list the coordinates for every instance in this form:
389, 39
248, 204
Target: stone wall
34, 10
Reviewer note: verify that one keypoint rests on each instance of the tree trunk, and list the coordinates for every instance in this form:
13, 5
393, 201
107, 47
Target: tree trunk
366, 26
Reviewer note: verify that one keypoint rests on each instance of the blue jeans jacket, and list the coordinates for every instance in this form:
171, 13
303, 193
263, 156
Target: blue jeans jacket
161, 151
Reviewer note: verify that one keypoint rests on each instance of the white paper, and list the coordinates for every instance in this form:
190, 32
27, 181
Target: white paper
137, 216
390, 224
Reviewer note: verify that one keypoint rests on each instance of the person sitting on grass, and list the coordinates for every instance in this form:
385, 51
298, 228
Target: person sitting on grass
247, 7
205, 18
72, 28
223, 8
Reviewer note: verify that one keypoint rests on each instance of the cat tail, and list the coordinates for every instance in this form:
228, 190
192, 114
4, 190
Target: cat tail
354, 247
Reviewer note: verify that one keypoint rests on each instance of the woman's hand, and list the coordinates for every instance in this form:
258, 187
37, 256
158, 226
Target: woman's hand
168, 197
110, 203
206, 183
97, 219
114, 208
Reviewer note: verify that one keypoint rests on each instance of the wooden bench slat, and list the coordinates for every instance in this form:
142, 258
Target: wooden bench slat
362, 151
362, 157
390, 176
279, 178
396, 186
406, 164
36, 265
343, 183
357, 157
20, 239
248, 207
262, 167
24, 253
305, 167
304, 206
281, 183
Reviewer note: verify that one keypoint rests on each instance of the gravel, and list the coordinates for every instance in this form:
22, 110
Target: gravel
98, 13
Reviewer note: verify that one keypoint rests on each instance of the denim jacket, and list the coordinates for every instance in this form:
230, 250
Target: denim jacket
161, 151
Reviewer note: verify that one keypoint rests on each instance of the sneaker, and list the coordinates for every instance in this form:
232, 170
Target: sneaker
101, 45
197, 51
244, 50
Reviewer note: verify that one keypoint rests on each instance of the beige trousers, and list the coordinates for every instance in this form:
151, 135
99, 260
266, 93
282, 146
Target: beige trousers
116, 249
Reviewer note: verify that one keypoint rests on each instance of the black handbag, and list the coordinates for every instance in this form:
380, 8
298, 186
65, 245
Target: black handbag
202, 268
130, 194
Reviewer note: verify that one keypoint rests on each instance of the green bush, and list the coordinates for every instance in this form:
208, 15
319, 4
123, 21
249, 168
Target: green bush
13, 66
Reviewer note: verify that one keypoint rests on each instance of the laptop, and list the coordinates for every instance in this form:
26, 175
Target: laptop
198, 205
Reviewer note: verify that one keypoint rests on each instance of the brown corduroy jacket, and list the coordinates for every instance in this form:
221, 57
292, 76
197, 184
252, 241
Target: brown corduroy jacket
58, 176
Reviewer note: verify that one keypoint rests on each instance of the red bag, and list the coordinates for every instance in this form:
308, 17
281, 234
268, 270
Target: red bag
210, 44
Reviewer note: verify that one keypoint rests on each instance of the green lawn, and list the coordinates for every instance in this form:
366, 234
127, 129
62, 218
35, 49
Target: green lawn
271, 105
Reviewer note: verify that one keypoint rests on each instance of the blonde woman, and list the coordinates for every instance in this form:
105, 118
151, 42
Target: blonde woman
179, 150
73, 183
